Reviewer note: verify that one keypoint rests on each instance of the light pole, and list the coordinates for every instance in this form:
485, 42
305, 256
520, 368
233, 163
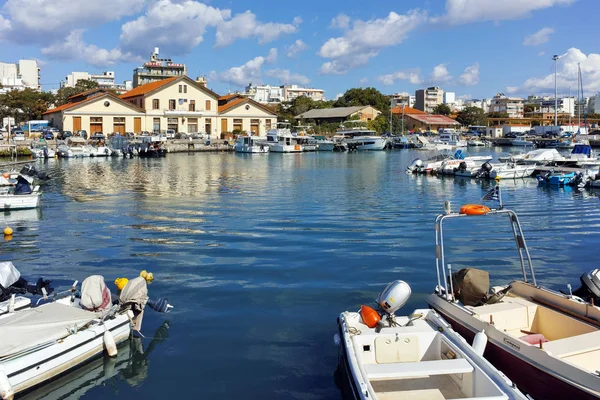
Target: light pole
555, 58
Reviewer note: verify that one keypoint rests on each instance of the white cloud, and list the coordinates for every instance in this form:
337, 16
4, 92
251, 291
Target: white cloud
567, 74
540, 37
285, 77
470, 77
465, 11
363, 81
512, 89
179, 26
245, 25
440, 74
541, 53
342, 21
411, 75
295, 48
365, 39
251, 71
465, 97
47, 21
74, 47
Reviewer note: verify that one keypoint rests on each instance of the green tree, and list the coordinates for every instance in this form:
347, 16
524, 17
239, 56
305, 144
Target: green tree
82, 85
364, 97
25, 105
527, 108
497, 114
470, 116
442, 109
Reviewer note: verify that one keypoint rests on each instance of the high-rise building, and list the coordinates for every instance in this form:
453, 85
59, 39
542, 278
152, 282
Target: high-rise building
105, 80
21, 75
277, 94
427, 99
157, 69
513, 106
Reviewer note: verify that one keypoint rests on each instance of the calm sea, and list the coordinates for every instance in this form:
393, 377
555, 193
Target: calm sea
259, 254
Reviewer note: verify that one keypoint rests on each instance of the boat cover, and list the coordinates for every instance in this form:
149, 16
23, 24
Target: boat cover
35, 326
8, 274
471, 286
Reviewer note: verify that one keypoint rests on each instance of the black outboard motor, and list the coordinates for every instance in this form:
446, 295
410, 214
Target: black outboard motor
11, 282
484, 171
25, 179
590, 287
462, 166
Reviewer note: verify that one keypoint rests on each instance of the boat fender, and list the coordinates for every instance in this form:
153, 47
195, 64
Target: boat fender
109, 344
480, 342
474, 209
6, 390
369, 316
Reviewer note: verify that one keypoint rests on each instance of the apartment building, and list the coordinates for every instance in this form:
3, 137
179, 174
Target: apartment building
513, 106
157, 69
427, 99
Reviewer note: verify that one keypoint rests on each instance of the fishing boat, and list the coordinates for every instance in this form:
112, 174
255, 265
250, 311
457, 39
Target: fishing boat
250, 144
422, 143
451, 137
23, 195
40, 149
475, 143
98, 146
448, 161
546, 342
538, 156
74, 147
417, 356
324, 144
552, 178
42, 342
521, 141
507, 170
281, 140
357, 136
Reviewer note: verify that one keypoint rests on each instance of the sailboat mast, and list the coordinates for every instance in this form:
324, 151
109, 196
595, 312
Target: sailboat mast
570, 125
578, 98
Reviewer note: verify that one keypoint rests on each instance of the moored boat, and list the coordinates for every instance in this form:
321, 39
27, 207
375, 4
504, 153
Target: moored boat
546, 342
249, 144
417, 356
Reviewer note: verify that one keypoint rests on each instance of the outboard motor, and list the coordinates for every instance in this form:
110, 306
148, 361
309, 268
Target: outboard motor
25, 179
590, 287
11, 282
462, 166
416, 166
484, 171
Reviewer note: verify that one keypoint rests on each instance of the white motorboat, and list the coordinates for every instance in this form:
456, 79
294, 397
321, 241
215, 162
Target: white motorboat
42, 342
413, 357
546, 342
325, 144
250, 144
508, 170
307, 142
424, 144
475, 143
359, 137
98, 146
281, 140
538, 156
521, 141
10, 201
41, 150
9, 178
451, 137
74, 147
445, 161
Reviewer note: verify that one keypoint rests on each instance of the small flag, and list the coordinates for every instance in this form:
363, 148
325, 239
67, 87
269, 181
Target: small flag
492, 194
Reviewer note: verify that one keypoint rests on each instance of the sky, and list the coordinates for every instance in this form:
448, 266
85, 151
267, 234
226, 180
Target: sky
475, 48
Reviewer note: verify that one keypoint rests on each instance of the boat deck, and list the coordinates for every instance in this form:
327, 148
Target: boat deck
424, 388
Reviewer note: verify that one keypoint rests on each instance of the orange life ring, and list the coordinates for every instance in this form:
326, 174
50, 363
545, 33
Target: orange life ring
474, 209
369, 316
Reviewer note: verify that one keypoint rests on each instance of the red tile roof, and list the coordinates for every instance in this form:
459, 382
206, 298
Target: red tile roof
407, 110
74, 103
87, 92
433, 119
231, 104
229, 96
148, 87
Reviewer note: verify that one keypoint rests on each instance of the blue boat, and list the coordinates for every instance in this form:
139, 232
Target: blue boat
556, 179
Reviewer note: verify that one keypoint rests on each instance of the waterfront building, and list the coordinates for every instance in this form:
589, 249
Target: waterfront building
178, 103
340, 114
276, 94
18, 76
105, 80
513, 106
157, 69
428, 122
427, 99
546, 104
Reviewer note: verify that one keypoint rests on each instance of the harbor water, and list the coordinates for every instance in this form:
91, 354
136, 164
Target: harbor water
260, 253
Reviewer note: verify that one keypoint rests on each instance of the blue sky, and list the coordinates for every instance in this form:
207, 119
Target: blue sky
475, 48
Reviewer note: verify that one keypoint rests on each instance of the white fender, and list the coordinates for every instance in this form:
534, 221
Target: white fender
6, 390
480, 342
109, 344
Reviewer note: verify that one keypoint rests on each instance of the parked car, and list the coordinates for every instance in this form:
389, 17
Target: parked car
48, 135
170, 134
63, 135
82, 133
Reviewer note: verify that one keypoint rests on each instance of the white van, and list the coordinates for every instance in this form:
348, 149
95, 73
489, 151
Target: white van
170, 134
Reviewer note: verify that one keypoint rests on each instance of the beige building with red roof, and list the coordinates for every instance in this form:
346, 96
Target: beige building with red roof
179, 104
428, 122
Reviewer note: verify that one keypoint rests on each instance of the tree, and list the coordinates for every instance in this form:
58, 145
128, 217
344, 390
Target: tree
364, 97
82, 85
471, 116
25, 105
442, 109
497, 114
527, 108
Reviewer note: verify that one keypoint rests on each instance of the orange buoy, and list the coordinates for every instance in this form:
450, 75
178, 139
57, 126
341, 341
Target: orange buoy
297, 147
6, 175
474, 209
369, 316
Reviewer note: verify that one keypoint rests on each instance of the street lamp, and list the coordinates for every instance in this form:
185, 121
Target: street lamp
555, 58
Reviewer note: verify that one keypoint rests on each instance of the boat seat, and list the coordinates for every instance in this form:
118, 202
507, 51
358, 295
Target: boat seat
421, 368
574, 344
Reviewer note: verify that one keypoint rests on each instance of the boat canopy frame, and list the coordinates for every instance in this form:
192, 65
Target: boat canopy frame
440, 261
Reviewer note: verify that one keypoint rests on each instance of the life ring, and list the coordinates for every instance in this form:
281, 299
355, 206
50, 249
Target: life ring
474, 209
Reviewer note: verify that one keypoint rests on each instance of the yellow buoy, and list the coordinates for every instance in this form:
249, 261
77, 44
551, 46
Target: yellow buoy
147, 276
497, 179
8, 238
8, 231
121, 283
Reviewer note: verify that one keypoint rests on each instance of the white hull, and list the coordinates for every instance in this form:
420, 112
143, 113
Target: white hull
516, 172
424, 360
284, 148
522, 143
255, 149
77, 153
325, 146
19, 202
475, 143
366, 142
39, 153
101, 151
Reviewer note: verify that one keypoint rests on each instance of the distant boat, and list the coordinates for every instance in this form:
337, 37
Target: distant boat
521, 141
250, 144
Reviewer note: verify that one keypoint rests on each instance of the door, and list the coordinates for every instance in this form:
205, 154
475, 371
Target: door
76, 124
119, 128
254, 129
95, 127
137, 124
223, 125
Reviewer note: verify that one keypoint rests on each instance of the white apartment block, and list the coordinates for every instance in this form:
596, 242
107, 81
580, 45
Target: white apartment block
593, 105
449, 98
427, 99
547, 104
277, 94
511, 105
405, 98
483, 104
21, 75
105, 80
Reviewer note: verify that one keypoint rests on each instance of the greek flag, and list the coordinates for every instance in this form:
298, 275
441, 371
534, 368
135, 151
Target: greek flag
492, 194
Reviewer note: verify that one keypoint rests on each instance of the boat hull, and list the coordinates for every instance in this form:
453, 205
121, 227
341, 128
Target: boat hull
255, 149
539, 383
19, 202
512, 173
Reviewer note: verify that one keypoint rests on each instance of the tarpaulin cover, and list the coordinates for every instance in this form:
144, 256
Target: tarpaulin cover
8, 274
35, 326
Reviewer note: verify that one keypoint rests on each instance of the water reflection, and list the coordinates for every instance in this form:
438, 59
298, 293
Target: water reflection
129, 366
